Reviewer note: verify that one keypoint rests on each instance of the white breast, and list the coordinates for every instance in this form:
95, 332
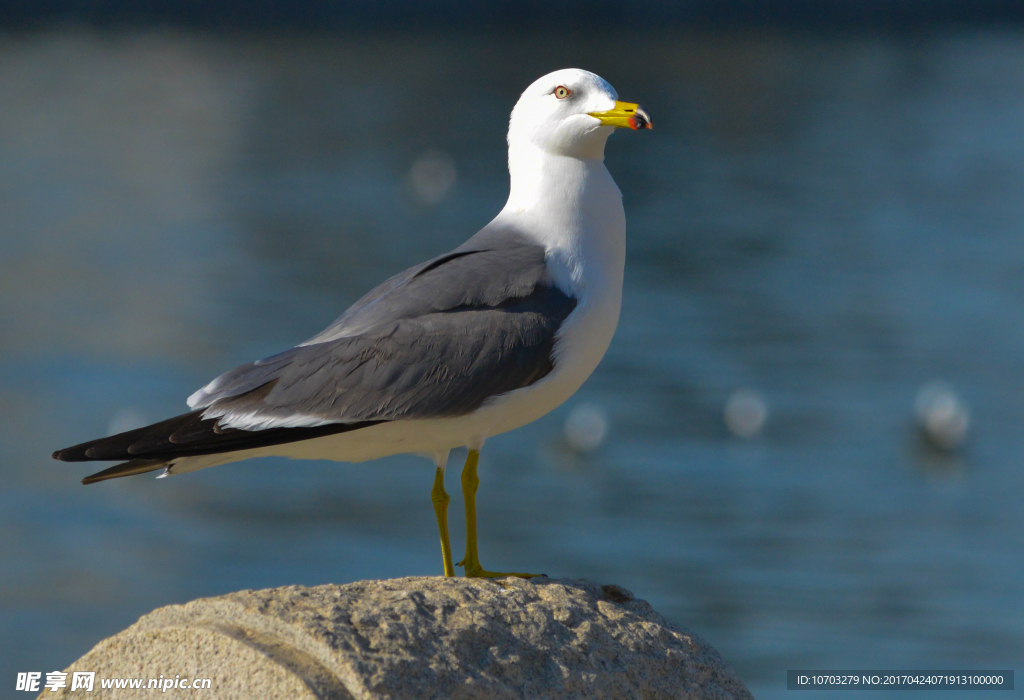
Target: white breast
583, 228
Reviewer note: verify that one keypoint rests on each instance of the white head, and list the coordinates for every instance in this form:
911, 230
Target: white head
571, 112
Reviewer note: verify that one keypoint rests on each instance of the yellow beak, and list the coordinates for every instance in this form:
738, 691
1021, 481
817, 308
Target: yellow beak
625, 114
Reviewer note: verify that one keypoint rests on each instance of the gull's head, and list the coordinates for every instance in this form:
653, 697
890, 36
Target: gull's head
571, 112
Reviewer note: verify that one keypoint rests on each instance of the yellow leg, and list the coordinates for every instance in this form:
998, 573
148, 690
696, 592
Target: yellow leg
441, 498
470, 482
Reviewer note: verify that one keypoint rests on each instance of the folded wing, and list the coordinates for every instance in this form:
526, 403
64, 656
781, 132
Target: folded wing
437, 341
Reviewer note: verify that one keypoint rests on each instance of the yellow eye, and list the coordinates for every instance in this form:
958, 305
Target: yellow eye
561, 92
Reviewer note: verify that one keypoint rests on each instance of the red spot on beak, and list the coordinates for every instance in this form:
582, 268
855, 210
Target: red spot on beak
640, 120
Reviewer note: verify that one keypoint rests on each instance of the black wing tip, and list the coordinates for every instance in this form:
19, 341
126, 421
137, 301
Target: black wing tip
187, 435
115, 447
79, 453
71, 454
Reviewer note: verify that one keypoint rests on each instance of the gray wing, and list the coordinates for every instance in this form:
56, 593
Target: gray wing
436, 340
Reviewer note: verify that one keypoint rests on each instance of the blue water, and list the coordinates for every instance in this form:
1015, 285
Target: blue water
831, 221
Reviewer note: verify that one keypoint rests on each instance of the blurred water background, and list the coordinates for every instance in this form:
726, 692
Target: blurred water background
822, 221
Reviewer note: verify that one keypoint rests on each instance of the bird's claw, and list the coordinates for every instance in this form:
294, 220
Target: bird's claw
477, 571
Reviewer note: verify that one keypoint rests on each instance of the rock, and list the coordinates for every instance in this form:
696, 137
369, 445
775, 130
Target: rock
427, 637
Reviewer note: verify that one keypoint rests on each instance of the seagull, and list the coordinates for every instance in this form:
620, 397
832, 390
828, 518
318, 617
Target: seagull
473, 343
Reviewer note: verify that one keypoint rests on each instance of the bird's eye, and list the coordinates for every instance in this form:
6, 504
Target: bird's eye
561, 92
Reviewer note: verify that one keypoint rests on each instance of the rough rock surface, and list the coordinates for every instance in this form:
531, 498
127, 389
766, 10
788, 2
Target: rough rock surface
416, 638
